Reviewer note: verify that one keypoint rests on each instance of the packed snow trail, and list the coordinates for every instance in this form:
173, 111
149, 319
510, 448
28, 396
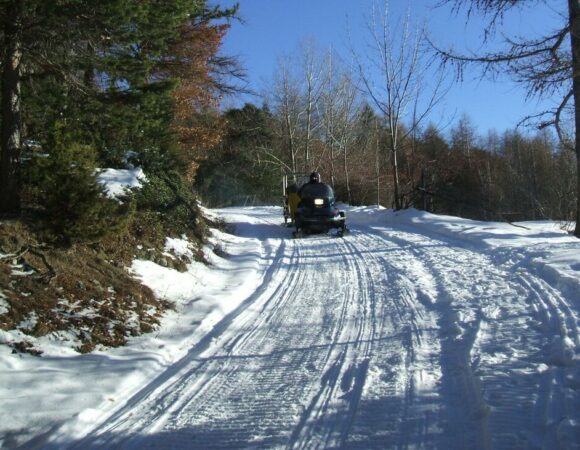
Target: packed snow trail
389, 338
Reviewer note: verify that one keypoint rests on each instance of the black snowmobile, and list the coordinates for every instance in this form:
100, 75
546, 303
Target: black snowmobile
317, 211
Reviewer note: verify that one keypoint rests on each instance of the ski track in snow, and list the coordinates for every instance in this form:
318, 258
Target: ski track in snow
388, 338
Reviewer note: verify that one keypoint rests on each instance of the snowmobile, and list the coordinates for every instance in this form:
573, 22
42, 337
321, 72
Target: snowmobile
317, 211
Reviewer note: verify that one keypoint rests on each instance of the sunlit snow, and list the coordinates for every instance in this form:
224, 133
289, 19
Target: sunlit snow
414, 331
118, 181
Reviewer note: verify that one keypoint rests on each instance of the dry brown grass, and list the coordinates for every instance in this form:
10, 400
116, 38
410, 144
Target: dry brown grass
84, 289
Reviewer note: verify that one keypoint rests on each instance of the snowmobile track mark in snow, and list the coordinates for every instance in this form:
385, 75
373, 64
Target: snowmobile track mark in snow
391, 338
355, 345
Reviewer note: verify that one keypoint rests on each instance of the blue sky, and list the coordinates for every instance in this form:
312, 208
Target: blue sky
273, 28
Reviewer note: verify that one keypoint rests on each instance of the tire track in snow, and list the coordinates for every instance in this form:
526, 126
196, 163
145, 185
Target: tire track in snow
328, 418
399, 407
428, 284
249, 391
150, 409
316, 359
501, 321
465, 283
531, 388
334, 357
385, 339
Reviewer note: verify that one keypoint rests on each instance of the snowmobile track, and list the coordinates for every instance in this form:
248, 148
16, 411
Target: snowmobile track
391, 338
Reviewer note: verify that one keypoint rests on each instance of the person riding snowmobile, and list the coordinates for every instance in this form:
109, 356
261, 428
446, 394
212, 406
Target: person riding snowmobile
317, 211
314, 187
293, 199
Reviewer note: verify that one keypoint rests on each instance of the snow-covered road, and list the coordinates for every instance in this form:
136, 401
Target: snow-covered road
393, 337
414, 331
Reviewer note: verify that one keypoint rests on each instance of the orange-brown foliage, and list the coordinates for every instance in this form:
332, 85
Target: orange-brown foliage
196, 124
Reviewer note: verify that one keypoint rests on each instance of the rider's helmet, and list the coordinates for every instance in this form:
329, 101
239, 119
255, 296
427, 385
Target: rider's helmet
315, 177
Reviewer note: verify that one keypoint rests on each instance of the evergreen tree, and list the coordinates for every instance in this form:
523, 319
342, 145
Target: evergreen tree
71, 202
237, 172
99, 69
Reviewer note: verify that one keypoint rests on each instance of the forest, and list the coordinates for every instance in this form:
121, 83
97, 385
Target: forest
121, 84
118, 84
507, 177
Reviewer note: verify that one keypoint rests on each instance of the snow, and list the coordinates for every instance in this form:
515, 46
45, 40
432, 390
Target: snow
414, 331
118, 181
180, 247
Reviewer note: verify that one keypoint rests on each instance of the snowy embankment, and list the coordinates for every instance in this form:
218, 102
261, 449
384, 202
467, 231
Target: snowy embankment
449, 330
540, 245
39, 394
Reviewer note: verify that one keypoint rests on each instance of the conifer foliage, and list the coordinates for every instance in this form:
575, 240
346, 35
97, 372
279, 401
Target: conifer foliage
74, 206
124, 80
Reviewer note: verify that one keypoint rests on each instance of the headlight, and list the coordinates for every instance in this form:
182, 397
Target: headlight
318, 201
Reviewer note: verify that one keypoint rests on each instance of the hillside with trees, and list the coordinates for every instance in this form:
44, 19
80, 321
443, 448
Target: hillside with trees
90, 85
117, 84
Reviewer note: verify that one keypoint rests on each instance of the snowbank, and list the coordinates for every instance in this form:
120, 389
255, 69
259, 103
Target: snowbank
541, 246
72, 391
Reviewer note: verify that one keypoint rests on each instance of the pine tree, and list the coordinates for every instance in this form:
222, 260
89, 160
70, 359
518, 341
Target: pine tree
98, 68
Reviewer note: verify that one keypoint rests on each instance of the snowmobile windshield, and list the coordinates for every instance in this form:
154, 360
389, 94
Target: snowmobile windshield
317, 190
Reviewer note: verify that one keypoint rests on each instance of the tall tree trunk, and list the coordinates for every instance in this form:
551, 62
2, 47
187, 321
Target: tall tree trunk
395, 166
290, 137
347, 176
396, 187
308, 130
10, 135
574, 8
378, 163
332, 170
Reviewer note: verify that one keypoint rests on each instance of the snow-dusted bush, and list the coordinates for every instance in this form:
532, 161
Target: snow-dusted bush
71, 202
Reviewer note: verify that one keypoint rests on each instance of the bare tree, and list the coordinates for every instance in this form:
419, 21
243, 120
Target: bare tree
463, 136
295, 98
340, 105
312, 69
545, 64
286, 101
394, 75
328, 107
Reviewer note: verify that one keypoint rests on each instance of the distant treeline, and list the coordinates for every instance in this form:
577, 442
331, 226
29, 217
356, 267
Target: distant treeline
509, 176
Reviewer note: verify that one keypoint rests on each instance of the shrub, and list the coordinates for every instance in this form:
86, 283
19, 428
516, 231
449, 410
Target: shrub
168, 194
70, 200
